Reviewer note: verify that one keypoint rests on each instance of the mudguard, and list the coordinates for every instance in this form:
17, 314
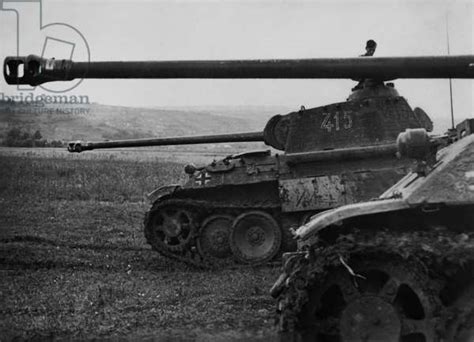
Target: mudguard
162, 191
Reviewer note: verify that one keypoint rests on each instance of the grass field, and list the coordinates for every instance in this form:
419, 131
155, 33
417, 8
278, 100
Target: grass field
74, 263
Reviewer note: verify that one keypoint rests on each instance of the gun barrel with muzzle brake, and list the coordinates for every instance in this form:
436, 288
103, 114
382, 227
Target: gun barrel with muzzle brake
79, 146
34, 70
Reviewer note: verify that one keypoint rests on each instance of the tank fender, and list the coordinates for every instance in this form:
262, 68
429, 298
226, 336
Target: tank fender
162, 191
335, 216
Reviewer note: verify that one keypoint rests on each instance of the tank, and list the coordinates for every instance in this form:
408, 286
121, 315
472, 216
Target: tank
399, 268
244, 207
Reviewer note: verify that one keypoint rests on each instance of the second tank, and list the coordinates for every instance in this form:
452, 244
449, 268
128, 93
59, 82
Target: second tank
244, 207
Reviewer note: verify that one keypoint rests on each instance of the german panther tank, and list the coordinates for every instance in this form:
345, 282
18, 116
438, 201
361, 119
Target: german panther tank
399, 268
245, 206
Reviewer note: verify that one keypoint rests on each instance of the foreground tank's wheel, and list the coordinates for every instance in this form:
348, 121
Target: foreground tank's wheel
462, 327
255, 237
387, 303
170, 228
465, 331
213, 241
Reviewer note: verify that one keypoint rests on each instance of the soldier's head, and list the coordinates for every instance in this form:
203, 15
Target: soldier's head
370, 47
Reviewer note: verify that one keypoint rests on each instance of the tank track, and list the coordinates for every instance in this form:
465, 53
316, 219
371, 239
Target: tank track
442, 261
201, 209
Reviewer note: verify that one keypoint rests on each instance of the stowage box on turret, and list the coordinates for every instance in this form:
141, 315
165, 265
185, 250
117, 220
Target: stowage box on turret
244, 206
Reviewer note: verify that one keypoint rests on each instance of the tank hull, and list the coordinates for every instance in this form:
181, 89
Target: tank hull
249, 204
259, 185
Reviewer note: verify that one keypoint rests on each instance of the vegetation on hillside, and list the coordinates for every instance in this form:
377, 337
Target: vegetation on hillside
16, 137
98, 122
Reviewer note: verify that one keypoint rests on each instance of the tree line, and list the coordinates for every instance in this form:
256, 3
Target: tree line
16, 137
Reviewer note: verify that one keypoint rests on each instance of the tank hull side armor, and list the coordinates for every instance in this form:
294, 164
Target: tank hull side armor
268, 184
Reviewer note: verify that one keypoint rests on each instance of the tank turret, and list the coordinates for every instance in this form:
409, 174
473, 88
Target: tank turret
243, 208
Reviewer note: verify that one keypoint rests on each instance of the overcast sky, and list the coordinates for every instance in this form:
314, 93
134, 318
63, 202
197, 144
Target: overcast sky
164, 30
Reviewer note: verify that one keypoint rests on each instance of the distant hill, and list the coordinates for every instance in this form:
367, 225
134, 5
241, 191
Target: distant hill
255, 116
97, 122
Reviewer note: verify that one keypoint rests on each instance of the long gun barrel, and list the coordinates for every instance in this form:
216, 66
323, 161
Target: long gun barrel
37, 70
79, 146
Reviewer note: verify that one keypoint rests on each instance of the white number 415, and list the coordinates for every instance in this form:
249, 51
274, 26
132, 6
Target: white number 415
337, 121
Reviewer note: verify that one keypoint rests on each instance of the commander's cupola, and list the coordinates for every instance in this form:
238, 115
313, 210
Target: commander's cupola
372, 88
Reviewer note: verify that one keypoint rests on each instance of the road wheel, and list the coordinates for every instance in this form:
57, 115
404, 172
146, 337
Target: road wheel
384, 301
465, 331
255, 237
213, 241
462, 327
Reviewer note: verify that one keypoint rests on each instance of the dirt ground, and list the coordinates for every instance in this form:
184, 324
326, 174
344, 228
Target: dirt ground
80, 269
